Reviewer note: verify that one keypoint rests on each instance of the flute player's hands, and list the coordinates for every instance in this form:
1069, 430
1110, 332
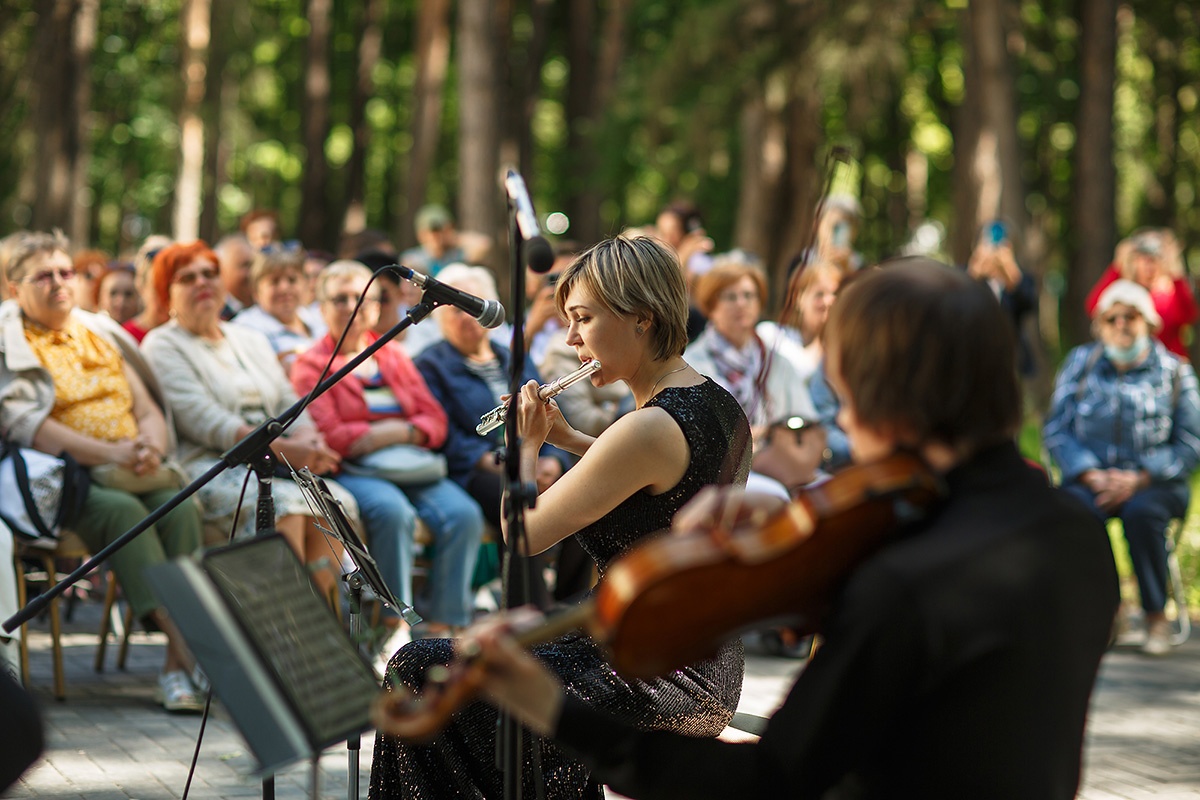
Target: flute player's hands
533, 416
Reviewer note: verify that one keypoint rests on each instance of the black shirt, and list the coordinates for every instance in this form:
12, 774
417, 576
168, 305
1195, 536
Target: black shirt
958, 662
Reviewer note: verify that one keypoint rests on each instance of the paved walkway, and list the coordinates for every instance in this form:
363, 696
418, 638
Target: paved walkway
110, 741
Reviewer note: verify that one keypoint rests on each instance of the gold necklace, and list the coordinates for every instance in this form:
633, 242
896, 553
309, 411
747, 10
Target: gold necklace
660, 378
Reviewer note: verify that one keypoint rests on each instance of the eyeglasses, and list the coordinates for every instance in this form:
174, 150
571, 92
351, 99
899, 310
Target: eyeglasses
349, 300
733, 297
44, 277
189, 278
1128, 318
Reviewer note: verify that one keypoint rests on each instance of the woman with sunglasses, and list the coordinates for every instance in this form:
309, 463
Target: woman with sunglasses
222, 381
1124, 428
74, 382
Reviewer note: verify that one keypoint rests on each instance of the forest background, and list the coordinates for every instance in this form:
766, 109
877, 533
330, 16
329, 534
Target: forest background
1074, 120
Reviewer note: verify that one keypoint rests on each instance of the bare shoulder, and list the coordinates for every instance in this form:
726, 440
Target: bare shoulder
647, 426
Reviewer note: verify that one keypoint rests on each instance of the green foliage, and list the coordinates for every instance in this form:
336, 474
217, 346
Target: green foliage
891, 81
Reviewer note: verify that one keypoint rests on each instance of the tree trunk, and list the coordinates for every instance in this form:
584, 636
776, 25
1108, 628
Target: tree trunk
528, 76
86, 24
1161, 194
763, 144
370, 44
433, 58
966, 134
314, 217
53, 79
1093, 216
583, 197
798, 195
478, 132
996, 157
219, 90
189, 186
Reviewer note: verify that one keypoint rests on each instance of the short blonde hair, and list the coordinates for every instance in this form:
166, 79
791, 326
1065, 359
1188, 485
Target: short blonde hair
17, 248
339, 270
634, 276
273, 260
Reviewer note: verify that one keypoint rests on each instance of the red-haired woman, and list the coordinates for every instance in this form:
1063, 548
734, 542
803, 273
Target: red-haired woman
222, 381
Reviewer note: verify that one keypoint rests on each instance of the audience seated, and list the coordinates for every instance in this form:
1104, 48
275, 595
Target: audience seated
730, 352
277, 277
385, 402
797, 336
117, 294
235, 257
153, 312
1124, 428
1153, 259
222, 381
89, 265
468, 374
439, 244
74, 382
260, 227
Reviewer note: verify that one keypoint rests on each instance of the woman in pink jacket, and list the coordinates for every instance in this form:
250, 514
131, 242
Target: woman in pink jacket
385, 402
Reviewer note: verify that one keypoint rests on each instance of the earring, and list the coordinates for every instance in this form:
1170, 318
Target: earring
640, 330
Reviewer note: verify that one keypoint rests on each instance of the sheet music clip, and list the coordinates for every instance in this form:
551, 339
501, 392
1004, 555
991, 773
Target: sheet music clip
325, 506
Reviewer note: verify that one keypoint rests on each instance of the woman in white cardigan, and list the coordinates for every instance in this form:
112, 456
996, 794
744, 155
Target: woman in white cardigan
221, 382
767, 386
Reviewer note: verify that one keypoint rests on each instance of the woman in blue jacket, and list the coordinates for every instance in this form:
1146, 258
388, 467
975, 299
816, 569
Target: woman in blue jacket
1124, 428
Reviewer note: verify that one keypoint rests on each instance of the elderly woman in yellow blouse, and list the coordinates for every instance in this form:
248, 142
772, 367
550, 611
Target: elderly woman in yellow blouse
74, 381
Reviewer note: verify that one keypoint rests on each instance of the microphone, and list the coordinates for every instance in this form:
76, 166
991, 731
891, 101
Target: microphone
489, 312
538, 254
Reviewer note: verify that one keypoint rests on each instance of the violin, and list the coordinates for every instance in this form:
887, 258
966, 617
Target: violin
675, 599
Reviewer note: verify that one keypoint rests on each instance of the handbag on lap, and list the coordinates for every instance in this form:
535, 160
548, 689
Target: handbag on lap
405, 465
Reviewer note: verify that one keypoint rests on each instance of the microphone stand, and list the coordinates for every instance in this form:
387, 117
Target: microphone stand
518, 495
253, 451
247, 451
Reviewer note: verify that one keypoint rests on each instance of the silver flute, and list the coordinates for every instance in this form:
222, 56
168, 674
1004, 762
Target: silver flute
495, 418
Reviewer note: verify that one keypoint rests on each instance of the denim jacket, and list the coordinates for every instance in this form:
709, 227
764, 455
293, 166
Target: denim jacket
1147, 417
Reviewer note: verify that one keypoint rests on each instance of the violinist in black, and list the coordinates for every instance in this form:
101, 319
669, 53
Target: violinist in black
958, 659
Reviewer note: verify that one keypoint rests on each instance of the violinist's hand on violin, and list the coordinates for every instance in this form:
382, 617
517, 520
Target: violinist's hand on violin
723, 508
511, 678
489, 665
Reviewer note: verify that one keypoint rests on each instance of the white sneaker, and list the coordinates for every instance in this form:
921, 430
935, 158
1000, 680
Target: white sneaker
176, 693
393, 641
1158, 638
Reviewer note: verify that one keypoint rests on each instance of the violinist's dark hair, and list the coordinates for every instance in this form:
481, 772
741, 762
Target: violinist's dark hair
923, 347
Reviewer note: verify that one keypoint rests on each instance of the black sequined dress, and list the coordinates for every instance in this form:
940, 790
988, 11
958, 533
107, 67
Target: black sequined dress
698, 700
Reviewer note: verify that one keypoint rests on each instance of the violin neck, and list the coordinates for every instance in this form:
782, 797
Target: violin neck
576, 618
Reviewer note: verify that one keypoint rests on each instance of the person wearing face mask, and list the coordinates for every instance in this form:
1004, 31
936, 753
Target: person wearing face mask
1124, 428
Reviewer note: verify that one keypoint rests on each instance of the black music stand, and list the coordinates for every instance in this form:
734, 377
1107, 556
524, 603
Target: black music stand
274, 652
